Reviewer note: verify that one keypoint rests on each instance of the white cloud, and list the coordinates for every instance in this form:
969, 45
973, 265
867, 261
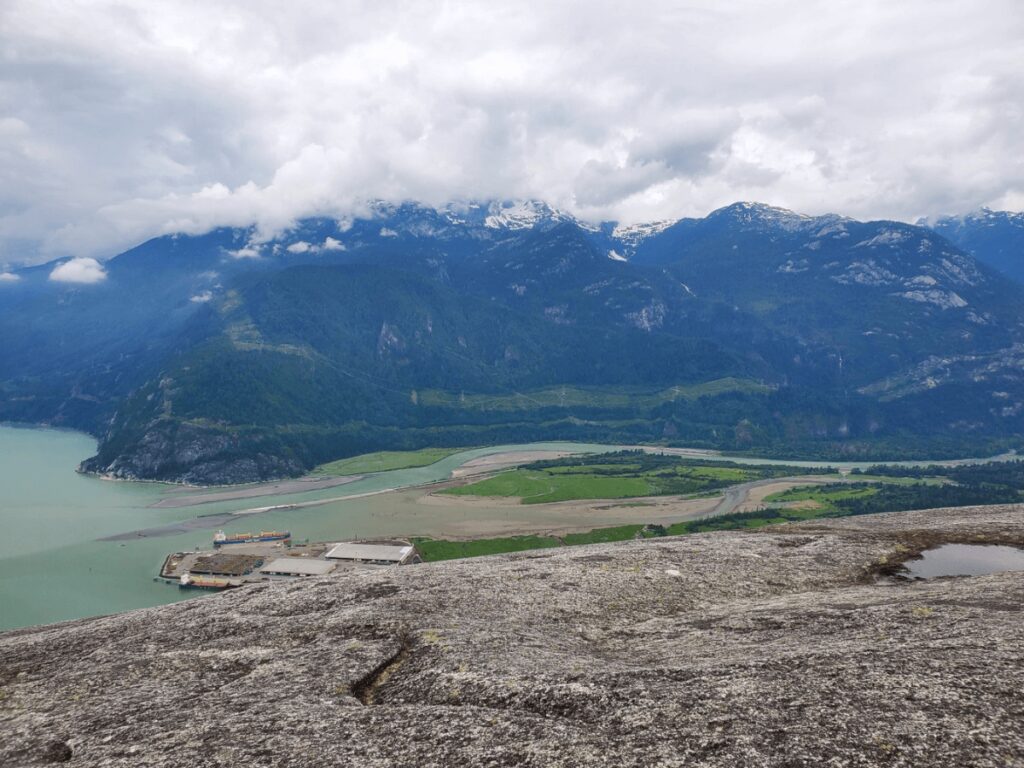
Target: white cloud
125, 119
9, 277
329, 244
82, 270
202, 297
247, 252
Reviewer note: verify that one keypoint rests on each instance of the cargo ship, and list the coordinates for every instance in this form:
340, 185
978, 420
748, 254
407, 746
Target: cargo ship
220, 538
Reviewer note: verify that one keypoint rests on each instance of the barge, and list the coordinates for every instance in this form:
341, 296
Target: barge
220, 538
190, 581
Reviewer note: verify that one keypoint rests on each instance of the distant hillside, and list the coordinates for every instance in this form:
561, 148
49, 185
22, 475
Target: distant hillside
221, 358
995, 238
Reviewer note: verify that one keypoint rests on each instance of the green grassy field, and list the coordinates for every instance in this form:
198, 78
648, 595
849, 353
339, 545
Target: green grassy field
617, 475
440, 549
825, 498
535, 487
601, 535
746, 520
382, 461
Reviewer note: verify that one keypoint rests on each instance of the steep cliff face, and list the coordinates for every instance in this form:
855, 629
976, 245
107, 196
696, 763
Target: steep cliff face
775, 647
196, 454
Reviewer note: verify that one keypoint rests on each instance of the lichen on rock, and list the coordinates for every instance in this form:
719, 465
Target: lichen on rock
776, 647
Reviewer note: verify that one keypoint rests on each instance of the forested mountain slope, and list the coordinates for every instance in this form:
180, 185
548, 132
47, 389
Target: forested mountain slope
229, 357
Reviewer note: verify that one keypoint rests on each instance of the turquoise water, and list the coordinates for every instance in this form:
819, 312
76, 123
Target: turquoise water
53, 566
50, 567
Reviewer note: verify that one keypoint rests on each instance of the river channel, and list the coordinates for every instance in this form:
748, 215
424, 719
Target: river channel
61, 556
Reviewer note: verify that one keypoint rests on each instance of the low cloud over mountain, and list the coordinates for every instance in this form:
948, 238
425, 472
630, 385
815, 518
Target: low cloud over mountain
124, 120
79, 270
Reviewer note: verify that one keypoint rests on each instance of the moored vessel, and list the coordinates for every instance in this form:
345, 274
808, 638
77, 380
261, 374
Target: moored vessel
220, 538
190, 581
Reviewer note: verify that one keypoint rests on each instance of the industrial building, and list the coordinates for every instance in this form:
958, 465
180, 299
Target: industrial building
256, 561
374, 552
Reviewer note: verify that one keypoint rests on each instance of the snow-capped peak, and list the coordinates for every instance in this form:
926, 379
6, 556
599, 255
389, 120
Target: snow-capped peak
984, 216
634, 234
761, 214
520, 214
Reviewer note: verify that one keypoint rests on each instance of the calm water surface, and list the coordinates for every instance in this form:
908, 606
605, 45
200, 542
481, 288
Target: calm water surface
966, 560
53, 568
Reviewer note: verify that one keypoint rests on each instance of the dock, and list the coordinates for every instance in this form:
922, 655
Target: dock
233, 565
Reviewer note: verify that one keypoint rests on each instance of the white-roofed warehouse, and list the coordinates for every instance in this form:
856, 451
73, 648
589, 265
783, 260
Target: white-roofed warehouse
385, 553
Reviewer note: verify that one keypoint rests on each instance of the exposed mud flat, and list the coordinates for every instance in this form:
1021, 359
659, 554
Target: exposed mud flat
467, 517
775, 647
184, 498
498, 461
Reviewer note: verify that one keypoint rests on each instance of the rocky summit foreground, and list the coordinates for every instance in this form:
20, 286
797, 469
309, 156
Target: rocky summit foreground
771, 647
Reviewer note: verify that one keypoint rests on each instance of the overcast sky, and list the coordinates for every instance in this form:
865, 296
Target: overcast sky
123, 120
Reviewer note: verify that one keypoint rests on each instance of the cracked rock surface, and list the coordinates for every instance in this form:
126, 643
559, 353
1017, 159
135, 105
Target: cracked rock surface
774, 647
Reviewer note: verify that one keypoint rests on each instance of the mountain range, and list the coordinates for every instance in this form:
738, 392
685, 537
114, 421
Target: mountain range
231, 357
994, 237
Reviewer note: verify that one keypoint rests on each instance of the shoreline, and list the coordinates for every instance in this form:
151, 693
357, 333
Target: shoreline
178, 499
705, 454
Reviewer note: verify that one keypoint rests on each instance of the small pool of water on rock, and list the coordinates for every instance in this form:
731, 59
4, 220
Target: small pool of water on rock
965, 560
